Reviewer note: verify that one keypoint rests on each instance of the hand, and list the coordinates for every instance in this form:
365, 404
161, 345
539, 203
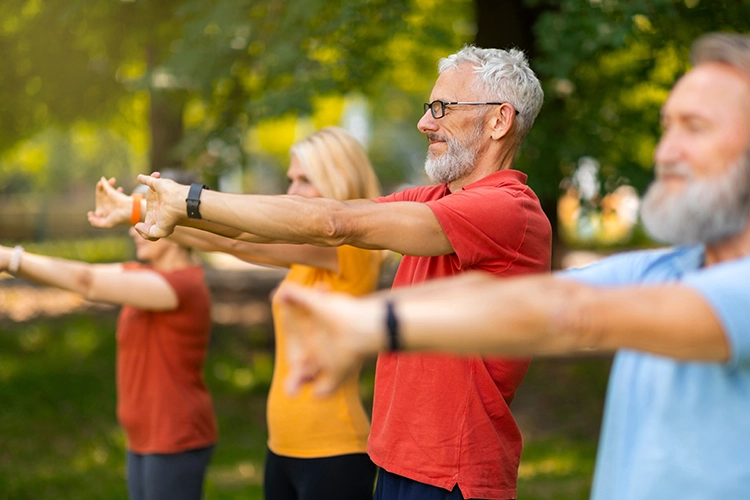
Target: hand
165, 206
329, 335
113, 207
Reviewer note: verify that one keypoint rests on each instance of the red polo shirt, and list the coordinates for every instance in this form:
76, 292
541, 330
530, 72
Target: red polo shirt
445, 420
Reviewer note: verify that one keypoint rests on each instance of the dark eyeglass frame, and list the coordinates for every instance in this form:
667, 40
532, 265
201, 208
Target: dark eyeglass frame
431, 106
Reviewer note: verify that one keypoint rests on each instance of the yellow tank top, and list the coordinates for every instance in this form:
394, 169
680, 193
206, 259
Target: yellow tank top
306, 426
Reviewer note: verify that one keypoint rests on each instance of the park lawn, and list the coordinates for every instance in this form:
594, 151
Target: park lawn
59, 438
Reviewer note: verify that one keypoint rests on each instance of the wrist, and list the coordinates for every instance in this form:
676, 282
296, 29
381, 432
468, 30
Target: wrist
14, 262
392, 327
136, 208
193, 200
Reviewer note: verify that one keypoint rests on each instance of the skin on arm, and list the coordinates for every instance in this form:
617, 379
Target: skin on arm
113, 208
145, 289
282, 255
404, 227
536, 315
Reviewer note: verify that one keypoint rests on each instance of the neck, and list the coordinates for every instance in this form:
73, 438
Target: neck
487, 162
733, 248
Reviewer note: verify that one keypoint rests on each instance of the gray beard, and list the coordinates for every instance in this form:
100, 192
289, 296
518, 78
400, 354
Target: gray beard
456, 162
705, 211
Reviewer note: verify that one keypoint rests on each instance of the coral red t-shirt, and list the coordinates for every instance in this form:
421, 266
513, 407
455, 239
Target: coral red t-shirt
162, 400
445, 420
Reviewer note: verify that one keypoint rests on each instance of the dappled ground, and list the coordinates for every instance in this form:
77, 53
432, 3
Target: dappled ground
59, 437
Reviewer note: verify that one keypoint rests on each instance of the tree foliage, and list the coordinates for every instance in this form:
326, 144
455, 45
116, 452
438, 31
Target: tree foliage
200, 74
607, 67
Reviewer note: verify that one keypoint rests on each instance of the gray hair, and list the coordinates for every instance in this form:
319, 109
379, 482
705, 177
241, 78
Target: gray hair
506, 76
728, 48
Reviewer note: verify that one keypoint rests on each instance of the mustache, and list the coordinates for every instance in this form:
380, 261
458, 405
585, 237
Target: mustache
436, 137
680, 169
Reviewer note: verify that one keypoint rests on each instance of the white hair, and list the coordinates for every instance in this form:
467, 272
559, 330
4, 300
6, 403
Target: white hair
504, 75
728, 48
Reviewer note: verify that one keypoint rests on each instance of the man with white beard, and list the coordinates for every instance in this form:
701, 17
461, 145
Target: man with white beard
677, 414
441, 425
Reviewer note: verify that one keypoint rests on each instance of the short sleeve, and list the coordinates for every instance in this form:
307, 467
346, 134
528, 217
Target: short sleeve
190, 287
725, 287
620, 269
486, 225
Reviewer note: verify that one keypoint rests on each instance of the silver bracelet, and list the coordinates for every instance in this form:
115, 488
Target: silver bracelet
15, 259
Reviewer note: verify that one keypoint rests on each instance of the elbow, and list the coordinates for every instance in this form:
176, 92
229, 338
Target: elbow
575, 320
84, 285
335, 228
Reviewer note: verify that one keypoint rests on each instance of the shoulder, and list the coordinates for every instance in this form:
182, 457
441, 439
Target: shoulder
637, 266
417, 194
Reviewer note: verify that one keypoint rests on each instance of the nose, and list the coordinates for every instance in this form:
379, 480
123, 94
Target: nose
669, 148
427, 123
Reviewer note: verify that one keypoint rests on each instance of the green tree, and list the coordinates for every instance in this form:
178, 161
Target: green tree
607, 67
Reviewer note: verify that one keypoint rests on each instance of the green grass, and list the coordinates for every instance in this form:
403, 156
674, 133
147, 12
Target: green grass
59, 438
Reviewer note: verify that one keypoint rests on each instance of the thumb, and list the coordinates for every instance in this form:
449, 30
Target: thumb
147, 180
146, 230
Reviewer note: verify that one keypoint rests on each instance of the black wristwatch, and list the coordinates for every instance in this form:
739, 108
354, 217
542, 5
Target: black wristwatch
194, 200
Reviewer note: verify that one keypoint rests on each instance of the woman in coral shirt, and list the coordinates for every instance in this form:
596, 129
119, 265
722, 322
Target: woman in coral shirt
162, 334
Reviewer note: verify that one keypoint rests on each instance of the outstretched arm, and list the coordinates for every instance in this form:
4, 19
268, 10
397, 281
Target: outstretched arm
275, 254
404, 227
539, 315
145, 289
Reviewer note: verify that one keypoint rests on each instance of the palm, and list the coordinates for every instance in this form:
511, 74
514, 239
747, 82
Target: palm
161, 201
111, 205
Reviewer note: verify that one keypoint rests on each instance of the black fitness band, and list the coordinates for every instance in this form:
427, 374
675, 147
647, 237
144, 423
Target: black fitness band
194, 200
394, 340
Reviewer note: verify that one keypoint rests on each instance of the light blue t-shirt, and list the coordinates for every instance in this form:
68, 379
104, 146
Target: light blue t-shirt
677, 430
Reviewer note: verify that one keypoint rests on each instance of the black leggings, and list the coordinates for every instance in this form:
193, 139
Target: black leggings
167, 476
341, 477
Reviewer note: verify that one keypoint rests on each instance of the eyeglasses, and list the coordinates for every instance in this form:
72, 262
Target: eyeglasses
437, 108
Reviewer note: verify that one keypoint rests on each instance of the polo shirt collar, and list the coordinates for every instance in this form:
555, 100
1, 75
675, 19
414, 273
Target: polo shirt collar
507, 176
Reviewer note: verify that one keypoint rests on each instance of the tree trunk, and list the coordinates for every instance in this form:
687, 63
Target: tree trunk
165, 118
505, 24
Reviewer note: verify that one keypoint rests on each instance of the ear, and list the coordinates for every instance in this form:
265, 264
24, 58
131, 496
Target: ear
502, 121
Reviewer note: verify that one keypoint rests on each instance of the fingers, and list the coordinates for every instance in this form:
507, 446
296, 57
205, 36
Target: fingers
325, 385
148, 180
297, 296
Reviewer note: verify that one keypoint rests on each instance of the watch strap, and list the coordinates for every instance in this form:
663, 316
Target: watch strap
193, 200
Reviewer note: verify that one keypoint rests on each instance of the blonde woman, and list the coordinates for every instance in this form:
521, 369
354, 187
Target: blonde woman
316, 447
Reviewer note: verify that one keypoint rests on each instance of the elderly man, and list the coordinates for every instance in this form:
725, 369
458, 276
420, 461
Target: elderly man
676, 419
441, 426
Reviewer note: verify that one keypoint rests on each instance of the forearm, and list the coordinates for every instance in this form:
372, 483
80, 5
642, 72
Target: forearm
78, 277
289, 219
544, 315
211, 242
522, 316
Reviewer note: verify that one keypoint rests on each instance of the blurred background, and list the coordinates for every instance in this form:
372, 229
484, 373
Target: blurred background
224, 87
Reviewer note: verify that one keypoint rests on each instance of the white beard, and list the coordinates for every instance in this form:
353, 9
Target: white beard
705, 211
458, 161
